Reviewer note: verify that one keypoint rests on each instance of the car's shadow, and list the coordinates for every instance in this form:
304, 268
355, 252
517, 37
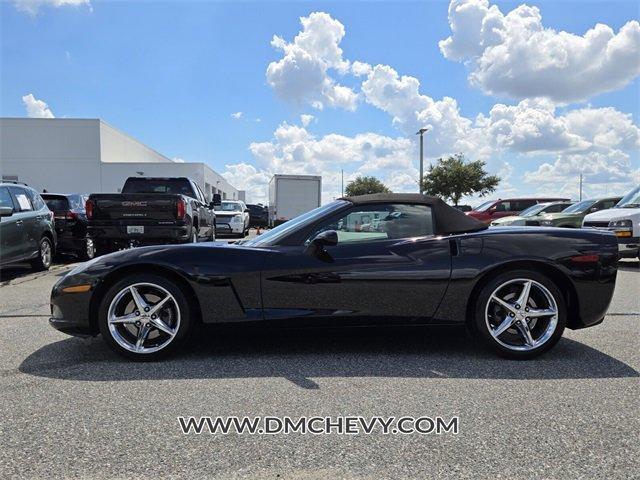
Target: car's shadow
301, 356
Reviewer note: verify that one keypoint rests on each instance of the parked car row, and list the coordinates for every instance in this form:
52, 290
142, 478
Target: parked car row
148, 211
618, 214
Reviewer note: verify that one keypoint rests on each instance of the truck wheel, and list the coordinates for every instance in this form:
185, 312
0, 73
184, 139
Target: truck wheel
88, 252
45, 254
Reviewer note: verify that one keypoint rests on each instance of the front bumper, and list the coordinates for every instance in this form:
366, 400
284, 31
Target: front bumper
229, 228
70, 312
628, 246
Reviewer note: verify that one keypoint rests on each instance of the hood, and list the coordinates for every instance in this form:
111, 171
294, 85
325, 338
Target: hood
611, 214
510, 218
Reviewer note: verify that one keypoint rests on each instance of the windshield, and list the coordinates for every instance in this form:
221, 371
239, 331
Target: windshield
272, 236
630, 200
229, 207
579, 207
179, 186
484, 206
534, 210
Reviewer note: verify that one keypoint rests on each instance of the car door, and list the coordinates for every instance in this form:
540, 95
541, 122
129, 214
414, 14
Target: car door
204, 214
26, 220
387, 267
11, 248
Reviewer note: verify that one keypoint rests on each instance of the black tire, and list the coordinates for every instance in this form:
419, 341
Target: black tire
483, 306
88, 252
43, 261
184, 328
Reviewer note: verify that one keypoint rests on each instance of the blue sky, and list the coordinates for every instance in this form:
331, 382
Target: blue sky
172, 73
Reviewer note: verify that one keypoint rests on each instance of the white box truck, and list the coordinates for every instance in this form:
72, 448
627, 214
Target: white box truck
292, 195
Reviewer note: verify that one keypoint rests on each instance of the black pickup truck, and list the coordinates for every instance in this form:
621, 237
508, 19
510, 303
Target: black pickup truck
150, 211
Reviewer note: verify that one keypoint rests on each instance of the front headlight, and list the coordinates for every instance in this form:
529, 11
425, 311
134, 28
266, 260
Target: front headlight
621, 224
622, 228
237, 218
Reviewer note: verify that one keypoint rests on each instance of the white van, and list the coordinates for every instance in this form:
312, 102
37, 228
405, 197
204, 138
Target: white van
624, 220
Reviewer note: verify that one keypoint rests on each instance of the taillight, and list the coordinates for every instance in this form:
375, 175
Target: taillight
89, 208
71, 216
180, 209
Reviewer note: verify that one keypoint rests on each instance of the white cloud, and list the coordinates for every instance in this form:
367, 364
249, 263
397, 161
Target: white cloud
36, 108
514, 55
32, 7
306, 119
399, 96
302, 74
177, 160
237, 115
294, 150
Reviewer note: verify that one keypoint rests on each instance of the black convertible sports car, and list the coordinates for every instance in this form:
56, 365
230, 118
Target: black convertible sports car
398, 259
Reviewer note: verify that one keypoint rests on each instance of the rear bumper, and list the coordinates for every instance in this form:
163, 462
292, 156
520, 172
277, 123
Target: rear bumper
152, 233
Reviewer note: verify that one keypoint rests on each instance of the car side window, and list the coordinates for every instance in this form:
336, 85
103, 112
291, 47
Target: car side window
503, 207
36, 199
520, 205
379, 222
22, 198
5, 198
555, 208
606, 204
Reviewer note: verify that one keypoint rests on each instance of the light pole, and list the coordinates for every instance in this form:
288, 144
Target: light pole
421, 132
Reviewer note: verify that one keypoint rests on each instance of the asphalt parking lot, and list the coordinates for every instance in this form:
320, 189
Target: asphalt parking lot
70, 408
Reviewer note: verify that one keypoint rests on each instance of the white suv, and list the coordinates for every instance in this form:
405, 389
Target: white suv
232, 218
624, 220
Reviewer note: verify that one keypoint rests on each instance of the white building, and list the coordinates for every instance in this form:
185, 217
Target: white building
89, 156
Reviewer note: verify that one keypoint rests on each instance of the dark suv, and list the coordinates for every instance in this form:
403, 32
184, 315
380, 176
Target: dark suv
27, 231
71, 223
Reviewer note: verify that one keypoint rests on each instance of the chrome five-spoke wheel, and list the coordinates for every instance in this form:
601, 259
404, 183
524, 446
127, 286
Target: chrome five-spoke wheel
143, 318
521, 314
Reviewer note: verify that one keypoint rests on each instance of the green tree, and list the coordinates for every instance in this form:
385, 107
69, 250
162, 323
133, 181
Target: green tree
365, 185
453, 178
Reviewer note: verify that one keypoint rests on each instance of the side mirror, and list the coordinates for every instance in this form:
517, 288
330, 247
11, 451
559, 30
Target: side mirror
593, 209
6, 211
246, 210
328, 238
217, 200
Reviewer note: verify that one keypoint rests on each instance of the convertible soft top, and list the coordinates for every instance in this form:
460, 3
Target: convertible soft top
448, 220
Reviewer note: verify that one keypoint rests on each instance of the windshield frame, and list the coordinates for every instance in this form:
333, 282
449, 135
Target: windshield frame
537, 209
573, 208
218, 208
483, 207
274, 236
628, 198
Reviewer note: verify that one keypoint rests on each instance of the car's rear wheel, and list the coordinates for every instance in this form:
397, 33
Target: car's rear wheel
520, 314
89, 250
144, 317
45, 255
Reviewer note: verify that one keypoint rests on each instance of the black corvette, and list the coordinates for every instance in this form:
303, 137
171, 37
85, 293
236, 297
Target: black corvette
392, 259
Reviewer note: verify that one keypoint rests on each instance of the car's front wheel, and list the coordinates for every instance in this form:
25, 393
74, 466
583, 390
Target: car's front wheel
144, 317
520, 314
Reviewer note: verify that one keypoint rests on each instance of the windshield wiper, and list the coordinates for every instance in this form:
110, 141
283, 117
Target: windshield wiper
630, 205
